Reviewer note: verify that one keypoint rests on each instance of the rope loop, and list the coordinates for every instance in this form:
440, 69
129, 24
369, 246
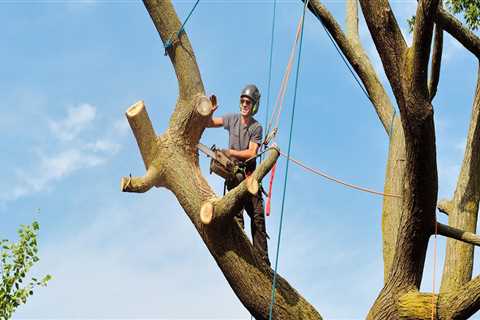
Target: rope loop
175, 36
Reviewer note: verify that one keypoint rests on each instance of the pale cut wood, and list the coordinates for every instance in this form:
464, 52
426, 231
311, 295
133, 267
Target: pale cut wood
207, 212
203, 105
143, 131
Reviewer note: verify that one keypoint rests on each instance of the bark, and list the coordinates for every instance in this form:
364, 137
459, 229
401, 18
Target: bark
436, 62
464, 207
466, 37
461, 235
407, 71
175, 161
392, 206
461, 303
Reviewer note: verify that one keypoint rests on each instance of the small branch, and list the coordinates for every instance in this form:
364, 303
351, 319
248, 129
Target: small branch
445, 206
458, 234
143, 131
141, 184
436, 62
218, 209
453, 26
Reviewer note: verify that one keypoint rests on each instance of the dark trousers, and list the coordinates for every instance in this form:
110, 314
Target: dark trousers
253, 204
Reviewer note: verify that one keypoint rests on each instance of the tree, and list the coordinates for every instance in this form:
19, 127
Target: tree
408, 221
16, 260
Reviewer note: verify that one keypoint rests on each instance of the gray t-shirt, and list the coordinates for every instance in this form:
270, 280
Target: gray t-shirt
239, 134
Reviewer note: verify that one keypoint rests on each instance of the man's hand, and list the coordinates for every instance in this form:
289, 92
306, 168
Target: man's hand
213, 100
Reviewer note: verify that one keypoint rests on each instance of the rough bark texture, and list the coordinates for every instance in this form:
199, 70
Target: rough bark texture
464, 207
392, 206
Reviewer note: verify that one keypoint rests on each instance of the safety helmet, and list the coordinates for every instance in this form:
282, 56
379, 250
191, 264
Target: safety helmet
253, 93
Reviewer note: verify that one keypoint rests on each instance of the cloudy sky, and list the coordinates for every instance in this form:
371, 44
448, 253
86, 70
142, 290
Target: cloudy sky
70, 69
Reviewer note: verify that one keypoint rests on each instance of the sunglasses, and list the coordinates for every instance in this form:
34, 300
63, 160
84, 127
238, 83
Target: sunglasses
248, 102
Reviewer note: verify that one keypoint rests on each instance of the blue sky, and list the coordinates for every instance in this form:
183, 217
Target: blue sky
71, 69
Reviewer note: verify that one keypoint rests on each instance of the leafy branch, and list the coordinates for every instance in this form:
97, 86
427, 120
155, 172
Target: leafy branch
16, 260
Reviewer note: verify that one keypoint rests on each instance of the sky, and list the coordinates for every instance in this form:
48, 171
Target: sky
70, 69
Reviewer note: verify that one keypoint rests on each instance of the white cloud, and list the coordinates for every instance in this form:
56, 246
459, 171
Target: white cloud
52, 169
49, 167
103, 145
77, 119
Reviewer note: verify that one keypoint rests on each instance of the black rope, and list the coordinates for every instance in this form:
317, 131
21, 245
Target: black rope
346, 62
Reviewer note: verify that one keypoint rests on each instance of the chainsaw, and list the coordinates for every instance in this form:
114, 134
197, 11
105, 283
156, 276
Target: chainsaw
221, 164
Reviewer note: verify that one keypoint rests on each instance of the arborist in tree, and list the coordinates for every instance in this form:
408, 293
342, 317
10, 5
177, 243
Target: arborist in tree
245, 138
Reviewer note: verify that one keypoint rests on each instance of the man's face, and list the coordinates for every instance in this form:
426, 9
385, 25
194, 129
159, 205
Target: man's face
246, 105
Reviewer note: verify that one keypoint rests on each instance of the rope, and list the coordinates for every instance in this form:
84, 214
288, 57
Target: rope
169, 43
283, 86
286, 169
270, 65
326, 176
346, 62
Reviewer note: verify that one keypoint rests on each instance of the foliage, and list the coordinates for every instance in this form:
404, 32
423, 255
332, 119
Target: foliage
16, 260
470, 10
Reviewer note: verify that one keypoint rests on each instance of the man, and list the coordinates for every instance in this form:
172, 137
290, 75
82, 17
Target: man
245, 138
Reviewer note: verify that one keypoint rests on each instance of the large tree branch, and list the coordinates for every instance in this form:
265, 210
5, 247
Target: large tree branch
351, 20
394, 182
181, 53
466, 37
422, 39
464, 206
388, 40
357, 57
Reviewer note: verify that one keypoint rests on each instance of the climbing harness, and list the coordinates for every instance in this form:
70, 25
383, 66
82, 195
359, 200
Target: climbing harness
221, 164
170, 42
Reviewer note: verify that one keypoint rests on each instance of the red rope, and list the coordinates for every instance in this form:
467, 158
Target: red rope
269, 199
